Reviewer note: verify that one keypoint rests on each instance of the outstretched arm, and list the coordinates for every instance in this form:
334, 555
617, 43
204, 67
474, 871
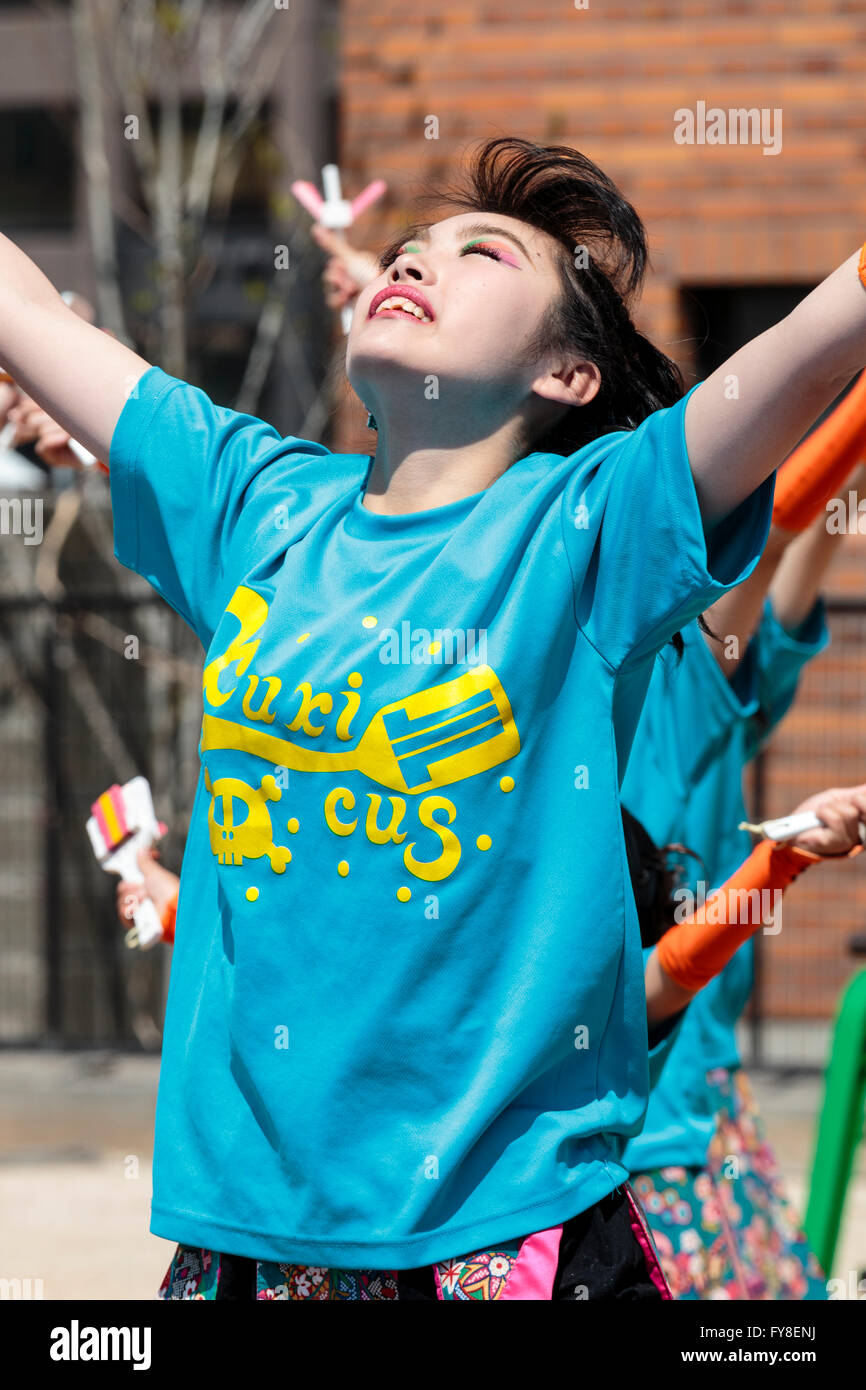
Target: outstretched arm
747, 416
737, 613
801, 544
691, 953
791, 570
79, 375
797, 582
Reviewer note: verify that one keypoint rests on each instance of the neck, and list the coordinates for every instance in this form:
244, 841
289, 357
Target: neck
408, 476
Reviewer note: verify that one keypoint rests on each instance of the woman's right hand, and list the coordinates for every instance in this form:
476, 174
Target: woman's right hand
160, 884
347, 271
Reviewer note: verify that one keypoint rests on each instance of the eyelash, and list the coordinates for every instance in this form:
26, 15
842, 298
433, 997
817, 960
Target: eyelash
390, 257
483, 250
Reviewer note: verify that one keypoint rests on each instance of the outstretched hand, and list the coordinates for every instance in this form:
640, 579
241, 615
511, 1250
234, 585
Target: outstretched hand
347, 271
843, 811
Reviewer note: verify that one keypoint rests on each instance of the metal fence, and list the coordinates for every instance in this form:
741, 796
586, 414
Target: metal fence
95, 688
821, 743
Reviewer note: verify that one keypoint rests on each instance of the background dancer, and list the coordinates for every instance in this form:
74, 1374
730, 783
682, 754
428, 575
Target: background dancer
725, 1229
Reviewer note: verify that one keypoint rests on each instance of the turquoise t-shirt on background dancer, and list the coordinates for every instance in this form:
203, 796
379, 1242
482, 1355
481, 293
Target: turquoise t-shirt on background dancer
684, 781
406, 1016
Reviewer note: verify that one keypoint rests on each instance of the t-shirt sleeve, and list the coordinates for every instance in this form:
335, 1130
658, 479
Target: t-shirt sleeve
192, 486
643, 562
779, 657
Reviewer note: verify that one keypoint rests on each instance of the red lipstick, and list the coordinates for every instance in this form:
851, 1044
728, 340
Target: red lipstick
403, 292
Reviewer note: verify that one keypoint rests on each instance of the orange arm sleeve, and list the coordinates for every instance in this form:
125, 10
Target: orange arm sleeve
695, 950
817, 468
169, 917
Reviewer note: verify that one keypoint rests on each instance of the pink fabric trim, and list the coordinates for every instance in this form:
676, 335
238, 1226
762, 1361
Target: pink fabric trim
642, 1236
534, 1269
438, 1282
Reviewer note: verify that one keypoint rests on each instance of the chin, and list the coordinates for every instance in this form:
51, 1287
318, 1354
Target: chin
372, 362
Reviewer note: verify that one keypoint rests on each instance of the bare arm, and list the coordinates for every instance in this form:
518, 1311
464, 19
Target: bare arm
79, 375
737, 613
791, 570
664, 997
798, 579
747, 416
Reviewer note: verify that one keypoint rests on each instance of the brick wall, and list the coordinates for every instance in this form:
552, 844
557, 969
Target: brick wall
608, 79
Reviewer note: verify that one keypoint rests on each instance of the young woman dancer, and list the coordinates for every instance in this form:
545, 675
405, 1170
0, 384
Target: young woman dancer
705, 715
395, 1031
725, 1230
729, 695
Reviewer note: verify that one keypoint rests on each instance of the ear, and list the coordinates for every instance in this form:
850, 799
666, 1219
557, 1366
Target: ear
569, 383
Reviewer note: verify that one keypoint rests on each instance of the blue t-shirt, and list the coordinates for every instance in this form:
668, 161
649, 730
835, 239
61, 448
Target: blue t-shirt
406, 1016
684, 781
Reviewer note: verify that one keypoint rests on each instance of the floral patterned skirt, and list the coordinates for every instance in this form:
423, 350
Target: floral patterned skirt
199, 1274
202, 1274
727, 1231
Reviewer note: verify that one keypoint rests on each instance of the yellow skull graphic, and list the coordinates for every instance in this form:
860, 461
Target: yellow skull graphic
248, 836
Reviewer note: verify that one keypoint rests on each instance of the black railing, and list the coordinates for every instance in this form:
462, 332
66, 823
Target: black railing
77, 715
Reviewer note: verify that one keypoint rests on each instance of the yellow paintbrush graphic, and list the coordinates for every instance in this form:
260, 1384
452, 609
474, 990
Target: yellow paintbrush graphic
436, 736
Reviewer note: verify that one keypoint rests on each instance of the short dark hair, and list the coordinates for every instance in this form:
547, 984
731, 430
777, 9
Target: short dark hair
560, 191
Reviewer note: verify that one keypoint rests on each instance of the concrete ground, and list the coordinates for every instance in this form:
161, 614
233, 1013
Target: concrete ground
76, 1149
75, 1171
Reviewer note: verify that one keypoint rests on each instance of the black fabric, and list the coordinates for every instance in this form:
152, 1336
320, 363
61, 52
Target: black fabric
600, 1256
237, 1278
417, 1284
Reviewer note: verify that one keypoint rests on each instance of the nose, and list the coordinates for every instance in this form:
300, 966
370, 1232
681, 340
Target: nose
406, 267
